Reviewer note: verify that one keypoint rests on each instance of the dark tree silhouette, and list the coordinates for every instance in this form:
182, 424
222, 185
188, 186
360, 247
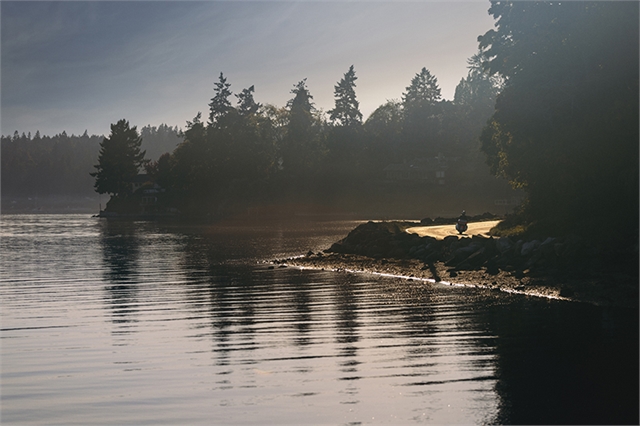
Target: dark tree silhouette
422, 112
246, 104
479, 89
473, 104
48, 165
301, 143
565, 127
347, 109
422, 92
220, 105
119, 160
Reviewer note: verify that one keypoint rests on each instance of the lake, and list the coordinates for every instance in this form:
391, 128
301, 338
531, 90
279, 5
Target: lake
116, 322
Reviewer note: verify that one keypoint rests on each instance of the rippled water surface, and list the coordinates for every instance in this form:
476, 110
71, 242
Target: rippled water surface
107, 322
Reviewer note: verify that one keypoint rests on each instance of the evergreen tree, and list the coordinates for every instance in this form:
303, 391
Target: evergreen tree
423, 92
347, 110
422, 116
300, 106
473, 104
565, 127
479, 89
300, 143
119, 160
384, 132
246, 104
220, 104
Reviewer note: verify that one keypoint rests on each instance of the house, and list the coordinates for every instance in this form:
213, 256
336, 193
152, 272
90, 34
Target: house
147, 191
138, 181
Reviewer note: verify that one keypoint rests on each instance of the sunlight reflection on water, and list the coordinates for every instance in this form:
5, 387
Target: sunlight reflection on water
144, 323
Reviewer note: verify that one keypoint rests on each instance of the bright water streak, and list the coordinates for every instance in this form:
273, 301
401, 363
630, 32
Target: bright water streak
143, 323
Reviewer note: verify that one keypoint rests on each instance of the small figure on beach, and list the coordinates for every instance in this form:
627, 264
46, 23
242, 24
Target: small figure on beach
461, 224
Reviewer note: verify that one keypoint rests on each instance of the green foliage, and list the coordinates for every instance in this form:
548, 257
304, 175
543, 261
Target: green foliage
119, 160
566, 123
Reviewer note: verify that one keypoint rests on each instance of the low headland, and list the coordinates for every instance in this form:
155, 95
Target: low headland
569, 267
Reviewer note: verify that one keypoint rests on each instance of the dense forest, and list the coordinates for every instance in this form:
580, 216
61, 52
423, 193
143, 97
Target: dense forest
420, 150
49, 168
565, 126
247, 154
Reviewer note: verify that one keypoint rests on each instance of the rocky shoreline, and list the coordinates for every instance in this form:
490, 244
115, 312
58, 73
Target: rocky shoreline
562, 268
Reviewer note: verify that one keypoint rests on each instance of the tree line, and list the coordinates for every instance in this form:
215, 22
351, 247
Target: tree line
60, 165
246, 152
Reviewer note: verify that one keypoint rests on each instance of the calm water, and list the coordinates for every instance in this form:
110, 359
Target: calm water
145, 323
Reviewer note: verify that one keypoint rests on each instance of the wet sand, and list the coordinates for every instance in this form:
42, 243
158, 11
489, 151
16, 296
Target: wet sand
442, 231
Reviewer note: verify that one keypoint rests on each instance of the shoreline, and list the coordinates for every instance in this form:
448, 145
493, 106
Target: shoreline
616, 292
567, 268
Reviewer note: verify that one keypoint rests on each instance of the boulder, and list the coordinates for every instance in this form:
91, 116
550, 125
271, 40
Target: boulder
504, 244
528, 247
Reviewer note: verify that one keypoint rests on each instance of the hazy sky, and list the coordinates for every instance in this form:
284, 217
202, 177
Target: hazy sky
79, 65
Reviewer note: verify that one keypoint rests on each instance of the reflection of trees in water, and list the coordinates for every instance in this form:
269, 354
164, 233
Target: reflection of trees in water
347, 336
346, 305
120, 251
301, 302
225, 293
563, 363
547, 364
231, 311
120, 248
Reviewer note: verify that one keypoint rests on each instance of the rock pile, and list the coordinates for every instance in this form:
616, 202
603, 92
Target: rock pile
551, 256
566, 267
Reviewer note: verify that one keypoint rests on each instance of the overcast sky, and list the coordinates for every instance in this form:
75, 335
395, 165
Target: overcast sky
77, 66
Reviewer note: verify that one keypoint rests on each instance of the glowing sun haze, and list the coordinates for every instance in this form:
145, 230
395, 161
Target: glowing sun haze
77, 66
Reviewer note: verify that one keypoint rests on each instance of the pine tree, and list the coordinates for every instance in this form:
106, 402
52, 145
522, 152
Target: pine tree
347, 110
246, 104
479, 89
299, 146
119, 160
220, 104
300, 110
423, 91
423, 112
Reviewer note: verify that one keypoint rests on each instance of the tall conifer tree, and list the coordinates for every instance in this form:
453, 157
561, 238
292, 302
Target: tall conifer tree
220, 104
119, 160
346, 111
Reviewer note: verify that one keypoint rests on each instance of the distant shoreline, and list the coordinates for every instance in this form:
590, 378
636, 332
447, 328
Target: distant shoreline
53, 204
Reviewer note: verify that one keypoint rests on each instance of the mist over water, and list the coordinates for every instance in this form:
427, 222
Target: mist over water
107, 322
